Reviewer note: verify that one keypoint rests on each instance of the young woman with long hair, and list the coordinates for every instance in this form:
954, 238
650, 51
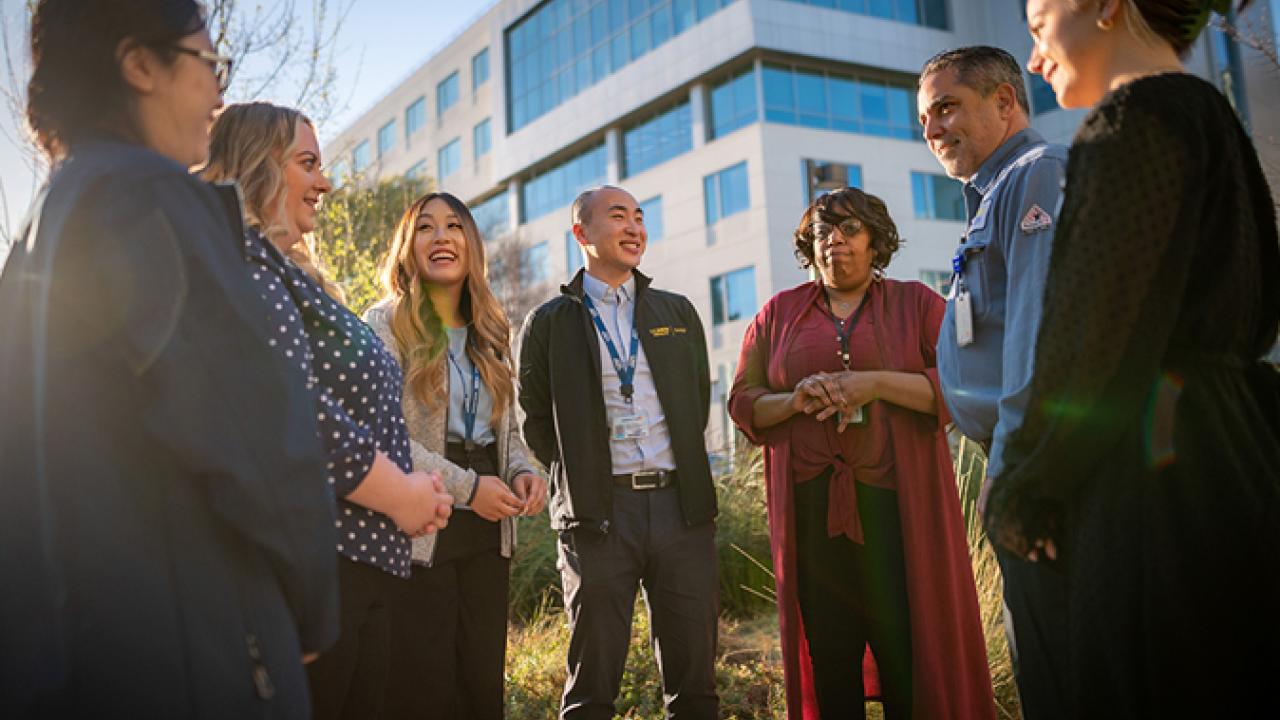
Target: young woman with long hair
449, 622
273, 154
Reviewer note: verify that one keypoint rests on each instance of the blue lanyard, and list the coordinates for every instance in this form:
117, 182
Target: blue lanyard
626, 371
469, 405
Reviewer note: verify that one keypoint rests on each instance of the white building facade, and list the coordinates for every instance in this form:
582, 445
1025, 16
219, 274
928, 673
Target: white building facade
721, 117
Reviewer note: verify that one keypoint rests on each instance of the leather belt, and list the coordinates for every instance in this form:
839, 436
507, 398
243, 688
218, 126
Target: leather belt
647, 480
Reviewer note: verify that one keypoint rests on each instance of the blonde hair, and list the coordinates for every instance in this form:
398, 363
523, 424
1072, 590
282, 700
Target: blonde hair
417, 328
251, 143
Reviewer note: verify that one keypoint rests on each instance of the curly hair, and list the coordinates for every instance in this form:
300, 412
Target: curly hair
837, 206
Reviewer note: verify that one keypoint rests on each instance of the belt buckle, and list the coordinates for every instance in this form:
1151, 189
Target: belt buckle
646, 480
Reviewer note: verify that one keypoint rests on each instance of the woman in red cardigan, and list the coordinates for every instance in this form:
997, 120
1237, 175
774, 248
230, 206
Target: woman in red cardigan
836, 380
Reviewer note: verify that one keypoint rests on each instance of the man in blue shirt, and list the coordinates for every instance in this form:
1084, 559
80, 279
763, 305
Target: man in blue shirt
973, 106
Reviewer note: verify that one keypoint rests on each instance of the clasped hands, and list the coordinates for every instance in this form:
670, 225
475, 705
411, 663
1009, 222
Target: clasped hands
494, 500
827, 394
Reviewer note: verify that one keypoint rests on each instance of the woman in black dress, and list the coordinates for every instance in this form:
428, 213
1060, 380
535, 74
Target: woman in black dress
273, 154
1148, 467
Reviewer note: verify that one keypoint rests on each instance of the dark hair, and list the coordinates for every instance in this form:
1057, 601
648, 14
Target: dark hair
76, 87
837, 206
1179, 22
982, 68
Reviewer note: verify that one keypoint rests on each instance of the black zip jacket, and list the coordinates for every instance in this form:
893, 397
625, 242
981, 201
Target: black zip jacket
561, 394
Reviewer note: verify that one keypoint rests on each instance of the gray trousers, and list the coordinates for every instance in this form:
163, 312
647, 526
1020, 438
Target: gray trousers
648, 547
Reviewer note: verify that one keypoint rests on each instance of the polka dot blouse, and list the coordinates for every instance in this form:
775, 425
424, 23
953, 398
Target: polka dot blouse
358, 384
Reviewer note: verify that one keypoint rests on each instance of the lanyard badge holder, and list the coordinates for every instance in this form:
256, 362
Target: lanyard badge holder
633, 424
470, 402
857, 415
962, 302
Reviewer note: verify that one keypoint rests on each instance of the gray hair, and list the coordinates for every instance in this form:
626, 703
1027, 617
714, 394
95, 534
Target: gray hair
983, 68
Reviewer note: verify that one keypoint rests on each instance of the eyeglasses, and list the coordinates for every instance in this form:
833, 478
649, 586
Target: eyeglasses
847, 227
220, 64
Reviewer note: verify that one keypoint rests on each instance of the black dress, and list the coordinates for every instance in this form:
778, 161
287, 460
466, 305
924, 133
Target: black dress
1150, 449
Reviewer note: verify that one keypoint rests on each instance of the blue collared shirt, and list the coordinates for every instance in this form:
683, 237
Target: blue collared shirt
617, 308
1012, 205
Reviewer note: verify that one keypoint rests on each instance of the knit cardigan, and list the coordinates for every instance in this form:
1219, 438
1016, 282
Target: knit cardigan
428, 437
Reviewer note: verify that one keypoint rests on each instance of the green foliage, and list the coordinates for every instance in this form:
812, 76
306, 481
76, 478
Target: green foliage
354, 231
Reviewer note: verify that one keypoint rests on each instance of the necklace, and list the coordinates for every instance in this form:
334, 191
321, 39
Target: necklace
840, 305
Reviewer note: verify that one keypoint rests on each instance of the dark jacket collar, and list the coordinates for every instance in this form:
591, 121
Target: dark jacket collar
573, 288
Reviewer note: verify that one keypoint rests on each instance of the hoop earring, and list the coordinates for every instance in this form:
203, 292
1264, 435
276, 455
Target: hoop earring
1105, 24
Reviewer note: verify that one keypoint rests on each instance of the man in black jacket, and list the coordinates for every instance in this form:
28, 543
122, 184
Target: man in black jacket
615, 386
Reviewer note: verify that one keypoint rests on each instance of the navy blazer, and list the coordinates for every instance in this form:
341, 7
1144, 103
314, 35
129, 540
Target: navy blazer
166, 530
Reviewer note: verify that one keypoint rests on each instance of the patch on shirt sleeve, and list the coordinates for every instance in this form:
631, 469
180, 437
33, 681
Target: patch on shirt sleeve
1035, 220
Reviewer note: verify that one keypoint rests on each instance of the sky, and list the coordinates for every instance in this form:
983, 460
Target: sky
380, 43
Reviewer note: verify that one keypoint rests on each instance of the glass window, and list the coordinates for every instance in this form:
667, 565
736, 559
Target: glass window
418, 171
535, 264
725, 193
565, 46
447, 93
652, 209
360, 157
939, 280
929, 13
733, 103
386, 138
492, 216
1043, 98
657, 139
480, 69
558, 186
450, 158
573, 261
937, 197
480, 138
733, 296
415, 117
813, 98
822, 176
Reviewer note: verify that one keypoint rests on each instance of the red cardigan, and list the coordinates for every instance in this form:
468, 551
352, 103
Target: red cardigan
950, 675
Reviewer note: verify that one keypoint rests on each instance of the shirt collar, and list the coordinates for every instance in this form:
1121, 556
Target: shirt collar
1008, 151
599, 291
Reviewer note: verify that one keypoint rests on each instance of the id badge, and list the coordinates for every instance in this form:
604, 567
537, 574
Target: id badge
964, 318
631, 427
855, 416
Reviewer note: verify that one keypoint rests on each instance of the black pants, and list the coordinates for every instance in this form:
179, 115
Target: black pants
1035, 601
349, 680
853, 595
449, 620
649, 547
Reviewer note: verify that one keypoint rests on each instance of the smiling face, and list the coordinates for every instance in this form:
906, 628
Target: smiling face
613, 236
1071, 52
440, 245
961, 127
842, 253
304, 181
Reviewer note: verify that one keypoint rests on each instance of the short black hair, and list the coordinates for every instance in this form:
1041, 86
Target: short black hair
982, 68
837, 206
76, 88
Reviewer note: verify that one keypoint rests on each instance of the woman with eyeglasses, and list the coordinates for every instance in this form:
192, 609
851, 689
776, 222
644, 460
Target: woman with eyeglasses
273, 154
837, 381
1147, 469
166, 534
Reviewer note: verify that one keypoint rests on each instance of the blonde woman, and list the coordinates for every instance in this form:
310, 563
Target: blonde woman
272, 152
449, 622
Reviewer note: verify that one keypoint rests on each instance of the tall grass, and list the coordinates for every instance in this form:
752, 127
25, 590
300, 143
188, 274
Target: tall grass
748, 669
